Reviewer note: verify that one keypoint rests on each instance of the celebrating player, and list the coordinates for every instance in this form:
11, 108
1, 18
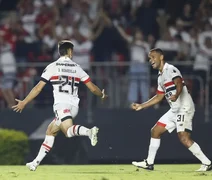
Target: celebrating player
172, 86
64, 75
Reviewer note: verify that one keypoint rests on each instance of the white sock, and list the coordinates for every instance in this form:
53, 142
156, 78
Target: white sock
197, 152
77, 130
45, 148
153, 148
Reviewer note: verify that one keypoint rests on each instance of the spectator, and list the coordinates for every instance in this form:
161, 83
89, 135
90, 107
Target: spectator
202, 60
178, 29
139, 68
169, 45
8, 68
186, 17
63, 30
82, 48
146, 18
183, 50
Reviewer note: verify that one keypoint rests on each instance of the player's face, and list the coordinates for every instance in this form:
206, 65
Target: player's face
155, 59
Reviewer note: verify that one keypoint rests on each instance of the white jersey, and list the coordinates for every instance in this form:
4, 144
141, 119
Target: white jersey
166, 85
65, 76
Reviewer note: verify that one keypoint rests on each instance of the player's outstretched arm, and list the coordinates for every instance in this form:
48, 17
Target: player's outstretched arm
95, 90
33, 93
154, 100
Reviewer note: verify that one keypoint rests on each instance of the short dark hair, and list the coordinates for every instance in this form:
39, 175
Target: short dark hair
157, 50
63, 47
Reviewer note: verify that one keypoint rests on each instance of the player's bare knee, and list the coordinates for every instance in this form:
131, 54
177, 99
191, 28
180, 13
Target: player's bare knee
50, 131
155, 133
184, 139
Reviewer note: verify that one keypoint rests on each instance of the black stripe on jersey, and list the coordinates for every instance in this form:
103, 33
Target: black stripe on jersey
57, 82
172, 88
65, 118
44, 80
75, 84
176, 77
72, 85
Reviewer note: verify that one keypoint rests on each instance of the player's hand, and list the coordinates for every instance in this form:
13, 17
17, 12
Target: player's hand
18, 107
173, 98
104, 96
136, 106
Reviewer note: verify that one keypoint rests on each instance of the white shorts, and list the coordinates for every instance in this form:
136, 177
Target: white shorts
182, 121
69, 112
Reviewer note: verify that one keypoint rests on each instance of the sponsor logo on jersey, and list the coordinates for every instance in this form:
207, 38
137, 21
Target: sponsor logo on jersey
65, 64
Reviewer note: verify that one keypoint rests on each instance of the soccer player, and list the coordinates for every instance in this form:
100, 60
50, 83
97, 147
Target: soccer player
64, 75
172, 86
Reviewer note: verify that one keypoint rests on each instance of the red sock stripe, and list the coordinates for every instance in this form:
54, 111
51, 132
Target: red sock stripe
74, 129
46, 147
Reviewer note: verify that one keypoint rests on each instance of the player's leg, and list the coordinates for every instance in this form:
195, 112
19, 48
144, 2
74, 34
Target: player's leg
70, 130
160, 128
154, 145
46, 146
184, 128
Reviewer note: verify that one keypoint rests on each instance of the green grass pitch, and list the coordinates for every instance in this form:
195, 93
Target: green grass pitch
104, 172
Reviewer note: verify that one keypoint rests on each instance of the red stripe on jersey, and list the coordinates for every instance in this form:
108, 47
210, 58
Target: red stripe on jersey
87, 80
77, 79
169, 84
54, 78
160, 92
161, 124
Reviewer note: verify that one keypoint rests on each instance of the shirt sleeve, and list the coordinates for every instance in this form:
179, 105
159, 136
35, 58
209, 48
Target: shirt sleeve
160, 90
174, 73
47, 74
84, 77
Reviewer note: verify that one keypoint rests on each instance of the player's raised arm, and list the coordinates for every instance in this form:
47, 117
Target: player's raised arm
33, 93
154, 100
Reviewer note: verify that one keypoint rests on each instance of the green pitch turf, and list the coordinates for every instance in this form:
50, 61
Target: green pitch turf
104, 172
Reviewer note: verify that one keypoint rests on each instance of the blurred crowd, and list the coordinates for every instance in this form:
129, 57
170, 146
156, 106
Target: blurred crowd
106, 31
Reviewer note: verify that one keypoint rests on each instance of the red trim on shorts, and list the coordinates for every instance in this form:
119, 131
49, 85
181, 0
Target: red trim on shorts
87, 80
160, 92
46, 147
161, 124
74, 129
54, 78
